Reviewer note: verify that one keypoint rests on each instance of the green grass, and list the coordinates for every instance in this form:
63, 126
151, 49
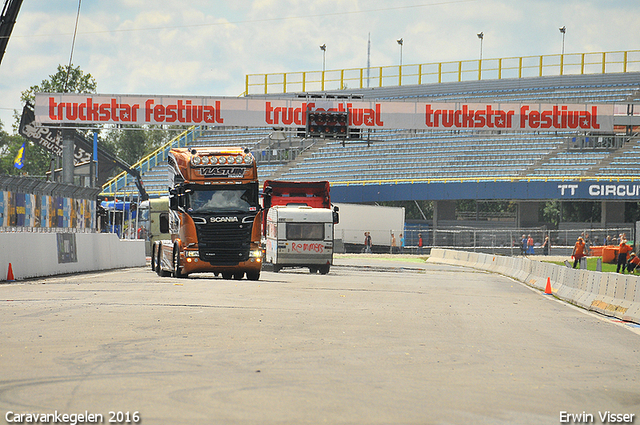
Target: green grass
591, 265
406, 258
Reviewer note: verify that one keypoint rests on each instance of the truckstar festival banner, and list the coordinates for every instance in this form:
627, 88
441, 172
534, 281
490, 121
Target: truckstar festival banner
57, 108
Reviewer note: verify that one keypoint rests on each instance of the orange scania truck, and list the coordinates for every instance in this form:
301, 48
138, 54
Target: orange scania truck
214, 215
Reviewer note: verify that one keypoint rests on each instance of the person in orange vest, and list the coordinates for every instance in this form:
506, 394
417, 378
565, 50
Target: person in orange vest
633, 263
578, 251
622, 255
530, 245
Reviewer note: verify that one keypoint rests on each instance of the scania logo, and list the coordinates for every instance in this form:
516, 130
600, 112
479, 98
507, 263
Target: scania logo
224, 219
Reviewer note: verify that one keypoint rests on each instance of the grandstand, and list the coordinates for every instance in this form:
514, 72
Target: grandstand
435, 155
383, 165
448, 154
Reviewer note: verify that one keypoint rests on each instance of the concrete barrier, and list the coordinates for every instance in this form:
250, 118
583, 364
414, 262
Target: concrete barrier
633, 313
47, 254
610, 294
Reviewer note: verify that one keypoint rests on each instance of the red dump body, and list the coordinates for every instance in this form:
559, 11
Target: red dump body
312, 194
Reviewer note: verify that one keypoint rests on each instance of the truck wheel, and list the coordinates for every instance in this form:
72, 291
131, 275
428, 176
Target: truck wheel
177, 271
253, 275
313, 270
324, 269
159, 271
226, 275
157, 262
238, 276
153, 257
276, 268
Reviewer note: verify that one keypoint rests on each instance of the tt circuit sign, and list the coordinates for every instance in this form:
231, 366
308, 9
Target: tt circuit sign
599, 190
57, 108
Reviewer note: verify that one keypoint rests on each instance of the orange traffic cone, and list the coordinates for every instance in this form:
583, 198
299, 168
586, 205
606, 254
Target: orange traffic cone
10, 277
547, 290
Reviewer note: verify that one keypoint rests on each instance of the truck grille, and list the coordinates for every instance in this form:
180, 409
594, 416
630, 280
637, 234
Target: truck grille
224, 244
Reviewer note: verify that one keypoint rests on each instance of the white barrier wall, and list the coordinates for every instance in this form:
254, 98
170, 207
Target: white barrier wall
47, 254
611, 294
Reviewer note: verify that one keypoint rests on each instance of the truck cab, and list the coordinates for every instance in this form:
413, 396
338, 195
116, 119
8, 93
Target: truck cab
214, 214
153, 221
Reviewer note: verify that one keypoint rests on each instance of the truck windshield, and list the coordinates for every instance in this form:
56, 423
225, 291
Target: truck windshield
222, 198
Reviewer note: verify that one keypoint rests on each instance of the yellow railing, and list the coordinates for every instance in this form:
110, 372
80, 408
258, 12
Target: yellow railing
440, 72
148, 162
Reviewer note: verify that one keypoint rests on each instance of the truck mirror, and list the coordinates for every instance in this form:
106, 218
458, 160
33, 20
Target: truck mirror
173, 203
336, 217
173, 199
266, 196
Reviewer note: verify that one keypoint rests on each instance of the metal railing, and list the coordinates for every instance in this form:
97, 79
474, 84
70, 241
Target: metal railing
30, 204
282, 150
440, 72
500, 240
23, 229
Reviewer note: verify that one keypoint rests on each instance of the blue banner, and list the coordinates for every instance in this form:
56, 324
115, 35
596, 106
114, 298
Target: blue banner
489, 190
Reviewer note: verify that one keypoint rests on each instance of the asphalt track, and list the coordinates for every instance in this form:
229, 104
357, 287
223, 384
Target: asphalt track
373, 342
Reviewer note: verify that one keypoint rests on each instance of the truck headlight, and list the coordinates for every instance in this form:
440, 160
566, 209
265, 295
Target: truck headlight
256, 253
192, 253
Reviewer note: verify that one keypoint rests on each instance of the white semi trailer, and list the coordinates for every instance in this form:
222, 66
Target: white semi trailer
381, 222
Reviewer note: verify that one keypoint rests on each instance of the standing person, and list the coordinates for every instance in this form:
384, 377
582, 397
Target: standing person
401, 243
578, 251
622, 255
393, 243
529, 244
587, 244
419, 243
523, 245
545, 246
367, 243
142, 232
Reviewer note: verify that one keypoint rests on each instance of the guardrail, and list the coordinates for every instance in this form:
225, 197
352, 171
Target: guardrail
440, 72
611, 294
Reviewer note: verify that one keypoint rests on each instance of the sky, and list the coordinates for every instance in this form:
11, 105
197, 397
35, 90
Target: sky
206, 47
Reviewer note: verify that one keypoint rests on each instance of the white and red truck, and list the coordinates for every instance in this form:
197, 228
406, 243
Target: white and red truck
299, 225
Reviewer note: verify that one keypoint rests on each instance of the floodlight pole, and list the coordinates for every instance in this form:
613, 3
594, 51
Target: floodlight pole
481, 37
324, 53
563, 30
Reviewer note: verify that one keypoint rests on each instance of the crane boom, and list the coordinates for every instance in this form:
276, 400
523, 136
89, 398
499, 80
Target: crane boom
7, 21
